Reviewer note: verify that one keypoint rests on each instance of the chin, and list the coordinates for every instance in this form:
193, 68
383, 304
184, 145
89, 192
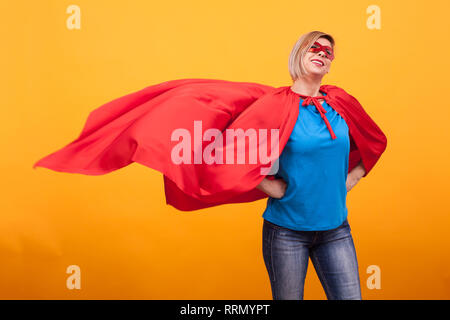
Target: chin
317, 72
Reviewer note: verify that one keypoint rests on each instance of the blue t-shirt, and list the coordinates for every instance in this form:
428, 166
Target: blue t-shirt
315, 168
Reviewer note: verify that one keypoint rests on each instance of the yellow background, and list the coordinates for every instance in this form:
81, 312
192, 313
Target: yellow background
117, 228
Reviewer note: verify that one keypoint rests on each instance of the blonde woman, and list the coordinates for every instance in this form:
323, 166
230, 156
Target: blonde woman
327, 142
306, 213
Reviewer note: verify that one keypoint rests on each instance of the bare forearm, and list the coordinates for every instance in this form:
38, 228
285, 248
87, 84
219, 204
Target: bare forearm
358, 171
264, 185
355, 175
273, 188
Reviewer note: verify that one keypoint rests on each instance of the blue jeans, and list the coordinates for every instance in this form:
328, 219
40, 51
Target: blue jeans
286, 253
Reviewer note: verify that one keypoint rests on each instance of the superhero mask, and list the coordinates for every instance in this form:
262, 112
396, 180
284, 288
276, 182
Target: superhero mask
316, 47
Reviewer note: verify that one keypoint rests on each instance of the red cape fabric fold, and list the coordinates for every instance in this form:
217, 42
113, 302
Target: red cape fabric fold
139, 127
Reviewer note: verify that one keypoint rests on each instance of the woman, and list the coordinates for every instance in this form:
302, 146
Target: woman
153, 127
306, 214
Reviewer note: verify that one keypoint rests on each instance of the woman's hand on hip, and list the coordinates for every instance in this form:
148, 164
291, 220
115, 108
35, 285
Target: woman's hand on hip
275, 188
355, 175
352, 180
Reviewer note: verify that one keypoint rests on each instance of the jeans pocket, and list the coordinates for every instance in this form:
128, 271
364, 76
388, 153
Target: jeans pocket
273, 225
347, 225
344, 228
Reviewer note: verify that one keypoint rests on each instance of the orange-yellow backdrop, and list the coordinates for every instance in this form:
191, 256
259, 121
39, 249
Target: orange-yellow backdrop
117, 228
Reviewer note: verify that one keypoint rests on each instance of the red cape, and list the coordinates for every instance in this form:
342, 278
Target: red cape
138, 127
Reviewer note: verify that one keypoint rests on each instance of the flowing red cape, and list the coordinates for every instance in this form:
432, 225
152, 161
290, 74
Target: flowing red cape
139, 127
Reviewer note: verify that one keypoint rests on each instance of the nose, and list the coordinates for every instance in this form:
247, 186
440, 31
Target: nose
321, 53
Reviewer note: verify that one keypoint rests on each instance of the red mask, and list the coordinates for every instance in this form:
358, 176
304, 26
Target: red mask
316, 47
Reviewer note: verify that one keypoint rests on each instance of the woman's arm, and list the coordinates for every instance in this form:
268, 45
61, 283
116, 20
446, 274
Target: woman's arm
274, 188
355, 175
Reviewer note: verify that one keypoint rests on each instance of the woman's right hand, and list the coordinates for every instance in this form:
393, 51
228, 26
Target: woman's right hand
275, 188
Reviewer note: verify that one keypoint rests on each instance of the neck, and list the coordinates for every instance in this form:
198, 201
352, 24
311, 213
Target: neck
307, 86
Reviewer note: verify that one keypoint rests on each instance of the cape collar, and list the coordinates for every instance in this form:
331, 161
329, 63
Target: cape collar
315, 100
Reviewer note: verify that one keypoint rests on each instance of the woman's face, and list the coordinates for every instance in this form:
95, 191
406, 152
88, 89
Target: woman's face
318, 62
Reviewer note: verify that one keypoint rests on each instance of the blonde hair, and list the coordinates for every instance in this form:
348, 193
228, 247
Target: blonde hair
296, 67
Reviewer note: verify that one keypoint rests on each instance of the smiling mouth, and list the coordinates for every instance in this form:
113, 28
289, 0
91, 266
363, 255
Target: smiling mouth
317, 62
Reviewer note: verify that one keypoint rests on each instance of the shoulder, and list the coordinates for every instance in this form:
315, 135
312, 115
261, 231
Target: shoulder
338, 93
334, 90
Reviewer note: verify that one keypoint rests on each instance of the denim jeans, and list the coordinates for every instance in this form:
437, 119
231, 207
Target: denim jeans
286, 253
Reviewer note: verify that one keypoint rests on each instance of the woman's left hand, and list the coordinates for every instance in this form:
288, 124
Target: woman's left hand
355, 175
352, 180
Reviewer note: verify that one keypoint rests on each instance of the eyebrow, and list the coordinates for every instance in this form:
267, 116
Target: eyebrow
325, 46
